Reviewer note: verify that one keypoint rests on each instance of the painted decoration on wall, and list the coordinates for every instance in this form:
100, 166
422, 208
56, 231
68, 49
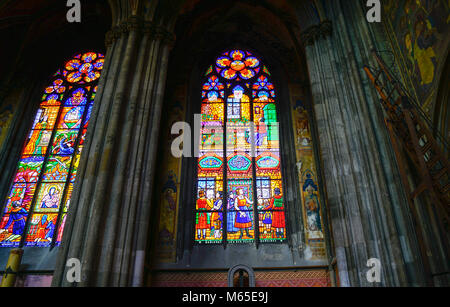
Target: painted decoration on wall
39, 196
312, 203
7, 110
240, 201
419, 35
169, 187
264, 278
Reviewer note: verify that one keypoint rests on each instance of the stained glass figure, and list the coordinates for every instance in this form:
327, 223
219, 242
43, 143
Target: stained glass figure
39, 198
239, 188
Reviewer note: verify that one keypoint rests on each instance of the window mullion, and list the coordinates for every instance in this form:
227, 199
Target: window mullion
225, 170
255, 189
72, 163
41, 175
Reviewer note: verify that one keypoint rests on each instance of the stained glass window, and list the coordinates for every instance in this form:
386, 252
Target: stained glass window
35, 210
240, 200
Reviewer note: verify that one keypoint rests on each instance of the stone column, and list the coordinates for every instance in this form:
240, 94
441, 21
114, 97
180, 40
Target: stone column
365, 198
24, 107
107, 224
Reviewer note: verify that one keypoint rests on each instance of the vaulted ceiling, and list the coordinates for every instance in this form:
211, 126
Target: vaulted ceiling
270, 27
33, 28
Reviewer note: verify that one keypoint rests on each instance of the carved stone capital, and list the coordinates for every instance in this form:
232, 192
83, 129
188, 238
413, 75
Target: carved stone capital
134, 23
316, 32
166, 37
112, 35
169, 39
109, 38
149, 28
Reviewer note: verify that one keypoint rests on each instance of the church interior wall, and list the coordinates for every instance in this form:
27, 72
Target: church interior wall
200, 41
332, 132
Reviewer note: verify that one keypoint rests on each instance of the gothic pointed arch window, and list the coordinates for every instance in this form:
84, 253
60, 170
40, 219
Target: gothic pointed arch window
34, 212
239, 179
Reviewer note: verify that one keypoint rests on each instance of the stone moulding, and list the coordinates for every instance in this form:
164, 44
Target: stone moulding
137, 24
316, 32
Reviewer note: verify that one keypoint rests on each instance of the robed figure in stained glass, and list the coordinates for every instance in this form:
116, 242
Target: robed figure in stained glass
278, 216
266, 217
51, 200
231, 213
217, 216
50, 230
17, 217
261, 133
45, 230
243, 218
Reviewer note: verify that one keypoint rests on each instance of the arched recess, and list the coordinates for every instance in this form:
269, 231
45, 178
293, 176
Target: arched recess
202, 35
44, 40
237, 270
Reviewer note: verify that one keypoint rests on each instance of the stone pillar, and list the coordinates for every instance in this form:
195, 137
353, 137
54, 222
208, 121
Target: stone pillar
365, 198
107, 225
21, 98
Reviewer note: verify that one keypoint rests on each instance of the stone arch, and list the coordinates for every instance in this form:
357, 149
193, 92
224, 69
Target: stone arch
199, 41
197, 26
